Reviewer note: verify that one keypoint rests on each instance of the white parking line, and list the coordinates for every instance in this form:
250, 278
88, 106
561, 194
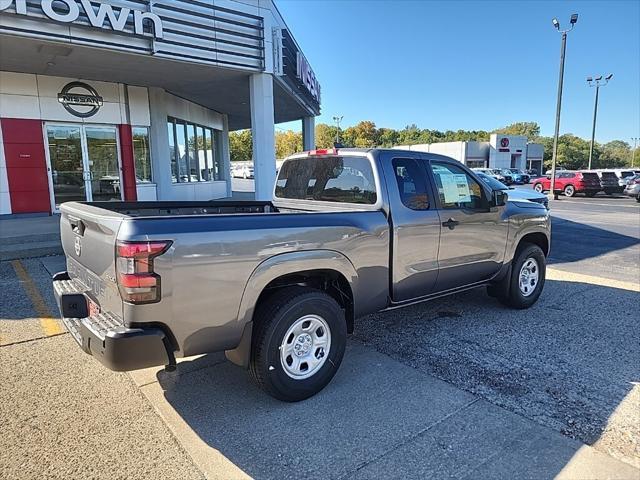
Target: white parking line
560, 202
562, 275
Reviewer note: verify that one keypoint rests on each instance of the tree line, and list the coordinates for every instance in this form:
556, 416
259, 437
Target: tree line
573, 151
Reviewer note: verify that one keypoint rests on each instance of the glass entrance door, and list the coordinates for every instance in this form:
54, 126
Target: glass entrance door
102, 159
84, 163
66, 163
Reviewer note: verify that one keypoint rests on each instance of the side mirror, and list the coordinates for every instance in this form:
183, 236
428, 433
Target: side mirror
499, 198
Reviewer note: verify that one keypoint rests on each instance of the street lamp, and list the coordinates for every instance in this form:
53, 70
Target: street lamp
596, 82
573, 20
338, 120
635, 141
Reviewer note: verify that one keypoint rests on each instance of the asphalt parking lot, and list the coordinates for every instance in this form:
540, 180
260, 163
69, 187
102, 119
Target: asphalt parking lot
456, 388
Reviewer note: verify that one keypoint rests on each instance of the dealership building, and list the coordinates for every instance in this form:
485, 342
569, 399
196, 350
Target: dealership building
501, 151
134, 99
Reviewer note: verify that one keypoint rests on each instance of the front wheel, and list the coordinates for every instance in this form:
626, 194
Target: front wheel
569, 191
299, 339
528, 273
538, 187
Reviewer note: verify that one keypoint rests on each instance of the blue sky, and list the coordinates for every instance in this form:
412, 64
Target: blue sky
473, 65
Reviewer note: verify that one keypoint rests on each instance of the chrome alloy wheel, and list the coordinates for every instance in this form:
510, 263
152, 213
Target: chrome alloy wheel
529, 276
305, 347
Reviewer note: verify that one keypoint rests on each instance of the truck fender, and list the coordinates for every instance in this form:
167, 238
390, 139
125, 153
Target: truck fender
273, 268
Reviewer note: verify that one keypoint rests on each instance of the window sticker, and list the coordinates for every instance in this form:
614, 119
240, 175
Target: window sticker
455, 188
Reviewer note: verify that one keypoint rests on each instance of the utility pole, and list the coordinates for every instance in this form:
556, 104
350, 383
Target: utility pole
563, 47
635, 147
338, 119
596, 82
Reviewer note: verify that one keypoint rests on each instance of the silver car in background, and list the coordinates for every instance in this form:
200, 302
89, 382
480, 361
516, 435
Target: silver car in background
632, 188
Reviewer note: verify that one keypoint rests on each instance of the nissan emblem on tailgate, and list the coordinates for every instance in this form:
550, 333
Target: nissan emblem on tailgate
78, 246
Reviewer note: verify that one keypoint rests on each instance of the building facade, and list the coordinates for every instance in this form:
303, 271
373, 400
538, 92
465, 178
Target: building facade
501, 151
134, 100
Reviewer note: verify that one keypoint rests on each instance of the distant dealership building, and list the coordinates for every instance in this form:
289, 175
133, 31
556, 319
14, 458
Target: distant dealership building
134, 99
501, 151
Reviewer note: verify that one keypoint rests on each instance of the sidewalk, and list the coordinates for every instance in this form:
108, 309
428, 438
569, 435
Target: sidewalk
25, 237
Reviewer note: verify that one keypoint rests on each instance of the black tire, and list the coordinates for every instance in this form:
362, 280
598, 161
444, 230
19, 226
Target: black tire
272, 321
512, 296
590, 194
638, 199
569, 191
538, 187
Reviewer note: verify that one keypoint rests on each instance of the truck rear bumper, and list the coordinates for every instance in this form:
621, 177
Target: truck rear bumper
104, 336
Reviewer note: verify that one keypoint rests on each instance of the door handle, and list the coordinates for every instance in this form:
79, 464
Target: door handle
451, 223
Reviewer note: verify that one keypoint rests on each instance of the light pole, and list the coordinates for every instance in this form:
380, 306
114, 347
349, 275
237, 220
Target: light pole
635, 147
596, 82
338, 119
563, 47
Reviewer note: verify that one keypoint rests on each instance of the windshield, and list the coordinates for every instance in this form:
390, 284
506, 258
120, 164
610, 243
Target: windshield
327, 179
492, 182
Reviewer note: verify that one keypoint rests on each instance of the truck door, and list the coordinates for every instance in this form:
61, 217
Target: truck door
474, 234
415, 226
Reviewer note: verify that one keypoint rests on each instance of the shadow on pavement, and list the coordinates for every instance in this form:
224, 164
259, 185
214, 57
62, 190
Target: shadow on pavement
563, 367
573, 241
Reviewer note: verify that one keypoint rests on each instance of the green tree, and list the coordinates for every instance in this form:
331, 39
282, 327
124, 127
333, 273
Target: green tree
410, 135
288, 143
240, 146
615, 153
530, 130
325, 135
387, 137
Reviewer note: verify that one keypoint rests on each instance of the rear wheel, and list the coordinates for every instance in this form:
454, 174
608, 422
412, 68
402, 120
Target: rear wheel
538, 187
569, 191
298, 343
590, 194
528, 272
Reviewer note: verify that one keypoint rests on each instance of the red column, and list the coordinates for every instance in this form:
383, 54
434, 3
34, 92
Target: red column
26, 165
128, 163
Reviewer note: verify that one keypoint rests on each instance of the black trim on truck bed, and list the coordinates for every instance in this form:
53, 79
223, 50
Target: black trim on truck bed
105, 337
159, 209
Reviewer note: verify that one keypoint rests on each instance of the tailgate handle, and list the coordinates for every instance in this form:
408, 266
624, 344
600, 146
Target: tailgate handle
77, 226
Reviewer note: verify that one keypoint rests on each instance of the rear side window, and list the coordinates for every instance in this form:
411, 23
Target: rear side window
590, 176
412, 183
327, 179
609, 175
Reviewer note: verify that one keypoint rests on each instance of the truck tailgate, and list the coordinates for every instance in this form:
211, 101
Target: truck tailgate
88, 235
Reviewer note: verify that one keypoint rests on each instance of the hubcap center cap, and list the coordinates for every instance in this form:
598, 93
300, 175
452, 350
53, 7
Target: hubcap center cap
302, 345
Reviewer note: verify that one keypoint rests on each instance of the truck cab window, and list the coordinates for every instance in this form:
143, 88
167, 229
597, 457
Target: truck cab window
456, 188
412, 183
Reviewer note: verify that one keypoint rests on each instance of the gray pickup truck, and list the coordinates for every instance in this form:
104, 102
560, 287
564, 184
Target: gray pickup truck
277, 285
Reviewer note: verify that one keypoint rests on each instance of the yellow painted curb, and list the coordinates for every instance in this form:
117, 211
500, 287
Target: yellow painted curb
50, 326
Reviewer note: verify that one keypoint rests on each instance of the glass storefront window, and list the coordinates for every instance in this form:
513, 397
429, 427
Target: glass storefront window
171, 127
181, 152
141, 154
202, 155
193, 147
208, 142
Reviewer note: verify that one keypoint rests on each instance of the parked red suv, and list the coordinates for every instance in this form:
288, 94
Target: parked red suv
571, 183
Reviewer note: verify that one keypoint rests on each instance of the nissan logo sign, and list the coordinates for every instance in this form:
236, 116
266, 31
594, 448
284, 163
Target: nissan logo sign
504, 142
80, 99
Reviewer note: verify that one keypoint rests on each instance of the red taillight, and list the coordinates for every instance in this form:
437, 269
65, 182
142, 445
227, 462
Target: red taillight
324, 151
137, 281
